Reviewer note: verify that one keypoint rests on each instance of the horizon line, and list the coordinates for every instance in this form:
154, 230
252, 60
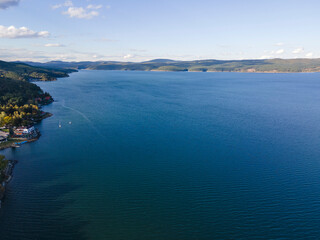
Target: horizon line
168, 59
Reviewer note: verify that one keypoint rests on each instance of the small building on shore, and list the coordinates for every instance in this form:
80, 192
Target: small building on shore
22, 131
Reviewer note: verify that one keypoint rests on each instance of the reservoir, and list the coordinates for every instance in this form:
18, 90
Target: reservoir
168, 156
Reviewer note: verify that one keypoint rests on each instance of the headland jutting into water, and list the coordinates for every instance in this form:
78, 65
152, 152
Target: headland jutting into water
13, 136
20, 109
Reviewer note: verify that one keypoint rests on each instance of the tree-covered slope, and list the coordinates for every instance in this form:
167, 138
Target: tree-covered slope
22, 71
18, 92
19, 98
266, 65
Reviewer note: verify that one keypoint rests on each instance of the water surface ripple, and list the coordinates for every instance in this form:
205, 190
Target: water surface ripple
156, 155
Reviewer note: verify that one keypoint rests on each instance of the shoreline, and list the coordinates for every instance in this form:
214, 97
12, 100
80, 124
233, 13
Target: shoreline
15, 143
195, 71
11, 143
8, 171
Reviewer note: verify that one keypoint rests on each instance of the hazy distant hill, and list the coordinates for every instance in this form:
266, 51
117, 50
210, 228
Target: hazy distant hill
269, 65
160, 61
23, 71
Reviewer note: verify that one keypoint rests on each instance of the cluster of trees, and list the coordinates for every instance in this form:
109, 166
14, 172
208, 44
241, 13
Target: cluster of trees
25, 72
19, 98
17, 92
14, 115
19, 102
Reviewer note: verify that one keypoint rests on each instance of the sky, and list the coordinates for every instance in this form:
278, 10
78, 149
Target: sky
141, 30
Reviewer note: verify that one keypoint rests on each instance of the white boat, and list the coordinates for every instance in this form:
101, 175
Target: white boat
59, 124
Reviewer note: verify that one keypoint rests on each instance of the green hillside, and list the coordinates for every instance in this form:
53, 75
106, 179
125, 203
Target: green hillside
22, 71
266, 65
18, 92
19, 98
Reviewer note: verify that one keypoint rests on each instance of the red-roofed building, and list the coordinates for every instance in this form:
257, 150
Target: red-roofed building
22, 131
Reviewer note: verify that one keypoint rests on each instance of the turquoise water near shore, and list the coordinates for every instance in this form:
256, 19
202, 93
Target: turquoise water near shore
159, 155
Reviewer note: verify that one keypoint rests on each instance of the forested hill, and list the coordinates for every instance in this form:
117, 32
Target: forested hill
18, 92
22, 71
19, 98
15, 85
266, 65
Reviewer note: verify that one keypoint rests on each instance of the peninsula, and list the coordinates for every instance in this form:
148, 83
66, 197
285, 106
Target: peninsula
21, 101
20, 108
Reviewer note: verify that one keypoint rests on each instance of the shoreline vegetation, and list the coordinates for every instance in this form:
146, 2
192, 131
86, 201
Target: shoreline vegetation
20, 108
20, 99
6, 170
301, 65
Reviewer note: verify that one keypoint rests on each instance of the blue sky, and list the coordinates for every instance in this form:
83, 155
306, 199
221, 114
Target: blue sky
126, 30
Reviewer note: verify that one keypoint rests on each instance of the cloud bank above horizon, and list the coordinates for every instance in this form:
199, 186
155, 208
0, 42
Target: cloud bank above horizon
22, 32
123, 30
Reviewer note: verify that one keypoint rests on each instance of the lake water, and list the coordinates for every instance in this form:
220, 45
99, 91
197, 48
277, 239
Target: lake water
171, 156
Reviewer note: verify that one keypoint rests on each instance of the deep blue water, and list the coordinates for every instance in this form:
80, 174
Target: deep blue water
171, 156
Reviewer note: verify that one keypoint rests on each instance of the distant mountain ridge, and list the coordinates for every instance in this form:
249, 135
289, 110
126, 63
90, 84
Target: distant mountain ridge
159, 60
210, 65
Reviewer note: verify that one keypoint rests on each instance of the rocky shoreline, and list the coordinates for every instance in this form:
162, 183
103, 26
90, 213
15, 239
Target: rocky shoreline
7, 178
11, 143
14, 143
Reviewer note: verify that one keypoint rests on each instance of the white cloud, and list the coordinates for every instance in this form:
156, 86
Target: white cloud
298, 50
280, 51
94, 6
128, 56
72, 11
40, 55
22, 54
309, 55
54, 45
54, 7
23, 32
279, 44
4, 4
80, 12
65, 4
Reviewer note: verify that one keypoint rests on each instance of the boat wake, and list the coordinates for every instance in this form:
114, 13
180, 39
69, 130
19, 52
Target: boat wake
84, 116
77, 111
